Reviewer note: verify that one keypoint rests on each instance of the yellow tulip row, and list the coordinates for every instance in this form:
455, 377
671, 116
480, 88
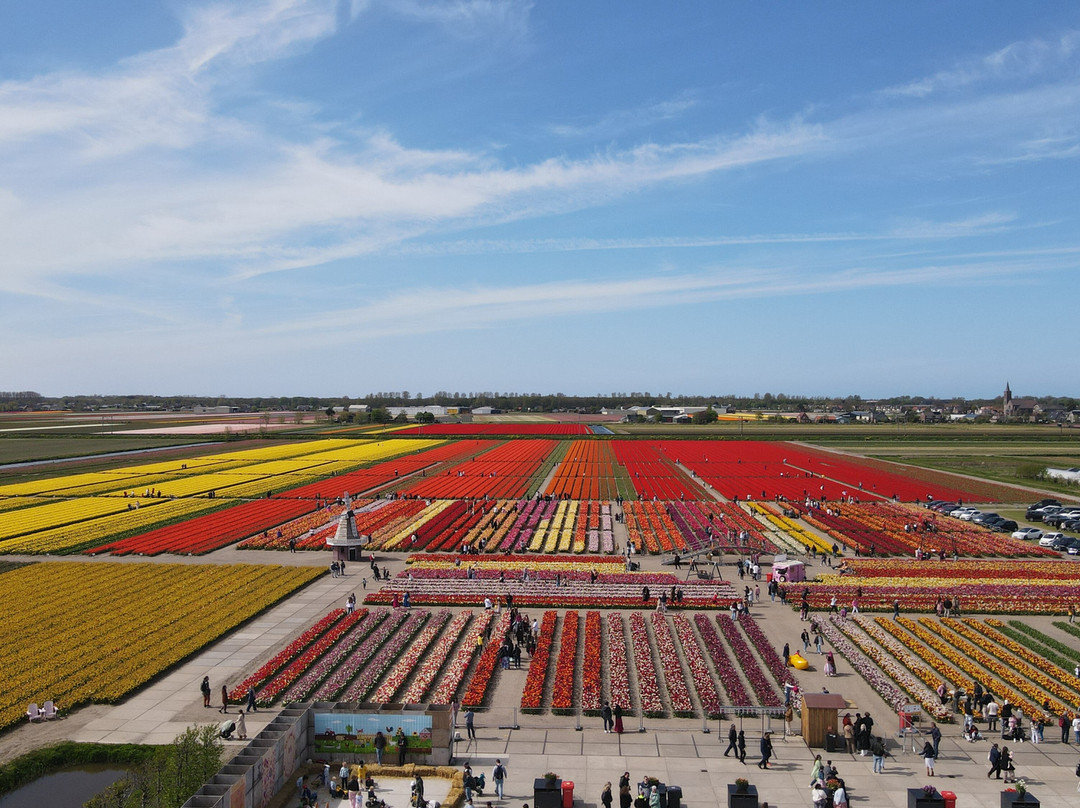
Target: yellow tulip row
76, 632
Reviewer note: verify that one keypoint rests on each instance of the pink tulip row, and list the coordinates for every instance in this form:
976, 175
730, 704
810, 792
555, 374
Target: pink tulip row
348, 662
406, 663
285, 678
699, 671
280, 660
485, 666
763, 687
533, 694
678, 692
777, 666
562, 690
325, 664
591, 665
447, 688
433, 664
382, 656
725, 668
648, 690
867, 668
618, 672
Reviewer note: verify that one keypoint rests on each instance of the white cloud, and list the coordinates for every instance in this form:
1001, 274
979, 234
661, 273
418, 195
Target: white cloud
1016, 61
620, 121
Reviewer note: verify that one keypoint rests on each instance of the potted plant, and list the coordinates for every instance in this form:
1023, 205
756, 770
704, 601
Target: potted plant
925, 797
741, 794
547, 791
1018, 796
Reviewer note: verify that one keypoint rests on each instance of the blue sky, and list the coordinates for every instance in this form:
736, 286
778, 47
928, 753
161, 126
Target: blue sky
334, 198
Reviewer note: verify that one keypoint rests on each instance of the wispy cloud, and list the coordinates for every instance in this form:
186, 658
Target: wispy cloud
1016, 61
619, 122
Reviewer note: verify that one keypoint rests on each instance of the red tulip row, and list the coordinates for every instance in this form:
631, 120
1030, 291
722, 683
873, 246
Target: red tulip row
591, 666
485, 666
678, 692
648, 690
533, 695
283, 679
453, 430
504, 472
284, 657
562, 691
322, 667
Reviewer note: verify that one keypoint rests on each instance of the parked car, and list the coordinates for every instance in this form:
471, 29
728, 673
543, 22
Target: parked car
1042, 503
983, 518
1040, 514
1072, 525
1048, 539
1062, 543
1064, 515
1073, 547
1027, 533
960, 513
1004, 526
944, 507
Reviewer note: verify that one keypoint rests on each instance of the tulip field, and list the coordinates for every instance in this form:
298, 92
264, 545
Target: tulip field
78, 633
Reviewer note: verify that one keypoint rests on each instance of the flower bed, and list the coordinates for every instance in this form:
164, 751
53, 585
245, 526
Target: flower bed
648, 691
322, 667
591, 666
694, 654
486, 665
433, 663
533, 694
763, 689
448, 686
618, 672
678, 692
725, 668
287, 655
562, 690
409, 659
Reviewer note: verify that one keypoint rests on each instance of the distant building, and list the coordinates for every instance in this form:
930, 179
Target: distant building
1018, 408
199, 409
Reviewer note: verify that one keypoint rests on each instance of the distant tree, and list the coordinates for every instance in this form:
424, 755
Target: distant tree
381, 415
707, 416
424, 417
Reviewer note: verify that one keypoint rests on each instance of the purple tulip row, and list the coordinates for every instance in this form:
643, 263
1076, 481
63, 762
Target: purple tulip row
725, 668
763, 688
325, 663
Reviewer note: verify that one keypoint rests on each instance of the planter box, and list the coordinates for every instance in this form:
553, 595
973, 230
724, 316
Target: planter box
1011, 798
547, 794
742, 799
916, 798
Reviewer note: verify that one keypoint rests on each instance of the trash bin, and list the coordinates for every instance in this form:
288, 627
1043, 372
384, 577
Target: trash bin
833, 743
674, 797
950, 799
567, 794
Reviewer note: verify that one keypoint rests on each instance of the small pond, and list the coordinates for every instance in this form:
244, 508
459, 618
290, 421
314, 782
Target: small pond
69, 788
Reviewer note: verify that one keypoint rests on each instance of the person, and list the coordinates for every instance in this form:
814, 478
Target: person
819, 796
742, 747
224, 700
605, 716
733, 741
618, 719
928, 758
470, 727
418, 790
498, 776
877, 749
839, 796
849, 735
605, 795
654, 797
789, 719
626, 799
1008, 765
251, 708
380, 745
205, 688
994, 757
992, 710
350, 604
354, 789
935, 736
402, 745
766, 751
815, 770
241, 725
787, 654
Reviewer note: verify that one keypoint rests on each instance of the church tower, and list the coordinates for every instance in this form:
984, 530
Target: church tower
1006, 402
